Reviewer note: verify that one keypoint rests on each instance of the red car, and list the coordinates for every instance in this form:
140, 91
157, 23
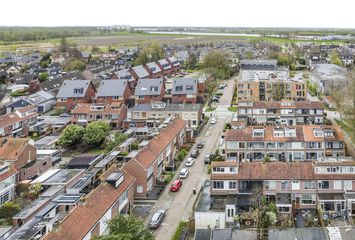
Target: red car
176, 185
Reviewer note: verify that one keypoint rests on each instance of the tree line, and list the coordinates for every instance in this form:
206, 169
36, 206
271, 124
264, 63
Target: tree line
15, 34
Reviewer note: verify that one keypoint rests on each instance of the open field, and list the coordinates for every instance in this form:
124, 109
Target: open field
134, 39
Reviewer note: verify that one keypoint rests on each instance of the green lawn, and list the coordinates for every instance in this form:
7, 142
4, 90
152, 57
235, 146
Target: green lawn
210, 109
233, 109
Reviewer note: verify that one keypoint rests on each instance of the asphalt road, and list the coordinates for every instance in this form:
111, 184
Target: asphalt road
179, 205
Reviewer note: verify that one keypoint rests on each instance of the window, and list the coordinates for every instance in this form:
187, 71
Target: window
309, 185
232, 185
218, 184
338, 185
189, 87
295, 185
78, 90
258, 133
308, 199
285, 185
232, 169
348, 185
270, 185
323, 184
218, 169
139, 188
178, 88
284, 209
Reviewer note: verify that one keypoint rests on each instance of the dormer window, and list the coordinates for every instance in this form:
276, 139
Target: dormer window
78, 90
290, 132
154, 88
258, 133
189, 87
278, 133
178, 88
329, 132
318, 133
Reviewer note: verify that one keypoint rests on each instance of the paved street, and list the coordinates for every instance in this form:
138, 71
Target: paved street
179, 205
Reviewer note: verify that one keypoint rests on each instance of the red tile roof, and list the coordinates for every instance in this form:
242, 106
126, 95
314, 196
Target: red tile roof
84, 217
8, 173
156, 146
12, 148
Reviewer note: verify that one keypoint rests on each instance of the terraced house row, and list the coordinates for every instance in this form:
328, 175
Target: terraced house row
295, 143
329, 184
281, 112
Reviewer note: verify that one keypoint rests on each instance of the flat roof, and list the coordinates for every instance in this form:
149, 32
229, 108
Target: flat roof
128, 142
59, 177
45, 176
30, 209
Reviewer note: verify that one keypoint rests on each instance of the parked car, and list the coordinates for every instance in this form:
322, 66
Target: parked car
208, 158
213, 120
176, 185
184, 172
157, 218
215, 99
189, 162
194, 153
200, 144
221, 86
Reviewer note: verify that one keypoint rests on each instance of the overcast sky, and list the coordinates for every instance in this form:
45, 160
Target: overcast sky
226, 13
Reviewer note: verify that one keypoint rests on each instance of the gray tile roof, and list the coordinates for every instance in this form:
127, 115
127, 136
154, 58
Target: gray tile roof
153, 66
174, 61
165, 64
111, 87
149, 87
73, 88
140, 71
124, 75
184, 86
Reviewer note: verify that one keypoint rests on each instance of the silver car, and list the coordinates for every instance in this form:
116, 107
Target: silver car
157, 219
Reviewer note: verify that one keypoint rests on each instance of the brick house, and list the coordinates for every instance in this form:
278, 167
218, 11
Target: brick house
73, 92
256, 85
19, 152
303, 185
154, 70
111, 91
165, 66
19, 122
296, 143
175, 64
113, 197
124, 74
149, 90
113, 114
7, 182
149, 163
139, 72
281, 112
184, 90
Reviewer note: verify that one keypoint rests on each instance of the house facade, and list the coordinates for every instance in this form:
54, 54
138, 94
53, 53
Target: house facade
151, 114
73, 92
266, 85
111, 91
297, 143
281, 112
149, 90
19, 122
114, 113
304, 185
185, 90
7, 182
